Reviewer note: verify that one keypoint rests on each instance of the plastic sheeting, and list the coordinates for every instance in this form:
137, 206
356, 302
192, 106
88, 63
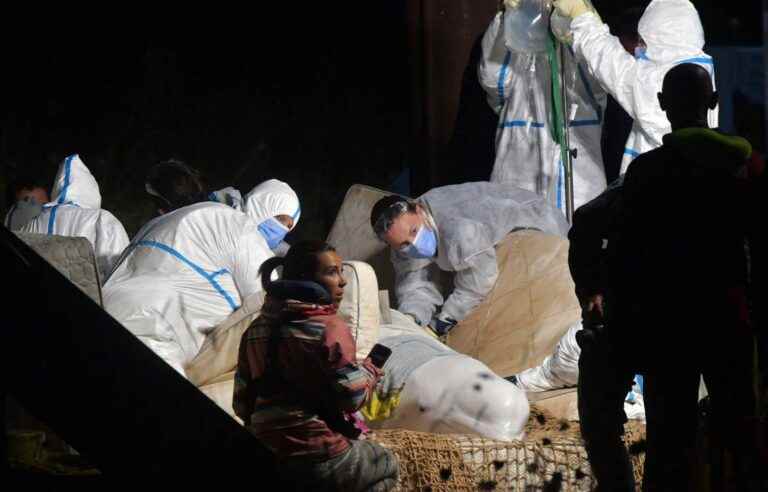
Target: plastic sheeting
526, 27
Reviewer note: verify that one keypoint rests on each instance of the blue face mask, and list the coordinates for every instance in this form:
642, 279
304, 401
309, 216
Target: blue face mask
273, 231
424, 245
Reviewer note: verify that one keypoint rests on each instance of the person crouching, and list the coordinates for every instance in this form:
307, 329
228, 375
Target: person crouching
297, 379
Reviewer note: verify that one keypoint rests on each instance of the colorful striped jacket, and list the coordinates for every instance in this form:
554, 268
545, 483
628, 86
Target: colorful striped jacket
297, 377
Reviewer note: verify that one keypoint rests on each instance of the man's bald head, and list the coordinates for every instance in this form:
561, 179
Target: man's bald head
687, 95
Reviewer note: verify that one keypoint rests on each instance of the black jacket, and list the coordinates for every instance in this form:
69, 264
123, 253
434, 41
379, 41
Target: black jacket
682, 227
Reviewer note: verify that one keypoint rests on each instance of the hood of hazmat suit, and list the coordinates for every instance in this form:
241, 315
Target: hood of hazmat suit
469, 219
183, 274
673, 34
516, 71
75, 211
268, 200
271, 198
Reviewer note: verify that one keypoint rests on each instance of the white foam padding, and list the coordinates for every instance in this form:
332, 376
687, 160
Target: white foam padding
360, 306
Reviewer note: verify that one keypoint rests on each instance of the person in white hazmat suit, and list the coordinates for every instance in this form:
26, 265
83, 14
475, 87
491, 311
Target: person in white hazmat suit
272, 196
186, 270
455, 229
26, 198
75, 211
671, 33
516, 71
275, 207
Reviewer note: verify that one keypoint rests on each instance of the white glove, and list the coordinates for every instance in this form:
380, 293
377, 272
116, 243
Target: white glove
571, 8
511, 4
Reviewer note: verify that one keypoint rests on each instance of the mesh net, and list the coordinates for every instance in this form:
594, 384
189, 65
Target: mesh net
552, 457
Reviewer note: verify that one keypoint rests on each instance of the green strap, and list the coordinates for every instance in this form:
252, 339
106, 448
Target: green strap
557, 125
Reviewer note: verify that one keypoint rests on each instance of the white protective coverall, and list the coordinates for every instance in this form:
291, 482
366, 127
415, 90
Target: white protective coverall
21, 213
519, 88
673, 34
469, 220
228, 196
75, 210
183, 274
559, 370
266, 200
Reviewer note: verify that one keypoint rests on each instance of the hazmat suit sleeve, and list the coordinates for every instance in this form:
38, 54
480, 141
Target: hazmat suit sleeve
248, 256
111, 241
471, 285
558, 370
493, 71
608, 61
416, 287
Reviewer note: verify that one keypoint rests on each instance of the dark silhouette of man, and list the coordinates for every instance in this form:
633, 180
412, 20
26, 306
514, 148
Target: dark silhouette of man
675, 291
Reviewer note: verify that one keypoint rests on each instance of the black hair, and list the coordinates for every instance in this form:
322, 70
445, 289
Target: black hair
177, 184
299, 264
388, 209
688, 87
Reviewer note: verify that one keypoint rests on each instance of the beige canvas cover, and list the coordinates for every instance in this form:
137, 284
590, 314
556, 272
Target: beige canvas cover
529, 309
218, 355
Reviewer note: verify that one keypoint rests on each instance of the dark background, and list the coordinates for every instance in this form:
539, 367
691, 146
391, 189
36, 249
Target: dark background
319, 95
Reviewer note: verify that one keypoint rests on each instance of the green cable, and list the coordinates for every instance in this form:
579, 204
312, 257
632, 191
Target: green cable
558, 118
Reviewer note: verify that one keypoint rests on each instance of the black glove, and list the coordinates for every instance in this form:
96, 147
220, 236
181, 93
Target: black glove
442, 327
593, 328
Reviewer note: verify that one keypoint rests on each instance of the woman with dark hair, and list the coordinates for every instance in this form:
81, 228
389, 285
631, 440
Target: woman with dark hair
297, 378
173, 184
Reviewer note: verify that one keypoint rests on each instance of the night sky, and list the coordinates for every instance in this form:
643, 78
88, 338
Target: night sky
296, 93
317, 95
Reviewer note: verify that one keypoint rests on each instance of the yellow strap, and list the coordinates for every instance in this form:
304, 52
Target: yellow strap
379, 409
